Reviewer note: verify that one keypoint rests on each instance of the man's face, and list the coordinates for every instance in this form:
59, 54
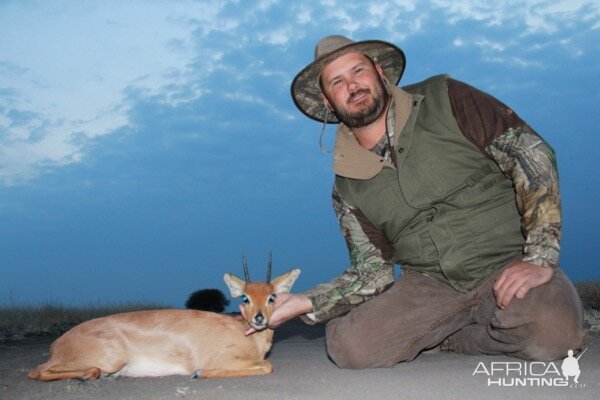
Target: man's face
353, 88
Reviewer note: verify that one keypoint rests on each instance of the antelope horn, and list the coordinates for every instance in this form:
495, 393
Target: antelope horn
246, 273
269, 266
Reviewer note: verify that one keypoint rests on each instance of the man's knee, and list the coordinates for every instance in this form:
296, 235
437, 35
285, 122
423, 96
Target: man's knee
547, 322
552, 335
343, 348
557, 323
349, 351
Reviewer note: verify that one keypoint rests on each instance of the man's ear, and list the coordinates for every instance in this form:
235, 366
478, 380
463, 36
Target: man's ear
379, 70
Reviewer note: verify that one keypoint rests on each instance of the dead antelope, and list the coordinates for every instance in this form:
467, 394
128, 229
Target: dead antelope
173, 342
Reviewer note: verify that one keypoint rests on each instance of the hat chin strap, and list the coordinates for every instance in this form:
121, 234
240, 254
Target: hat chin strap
324, 149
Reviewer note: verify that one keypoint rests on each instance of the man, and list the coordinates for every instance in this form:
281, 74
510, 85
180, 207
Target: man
451, 184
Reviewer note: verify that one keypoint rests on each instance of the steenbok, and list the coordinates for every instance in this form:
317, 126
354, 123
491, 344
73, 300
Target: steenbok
173, 342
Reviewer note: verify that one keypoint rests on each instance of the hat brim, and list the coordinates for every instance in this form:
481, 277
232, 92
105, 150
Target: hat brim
305, 88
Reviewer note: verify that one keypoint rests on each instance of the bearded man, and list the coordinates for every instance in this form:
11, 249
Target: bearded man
448, 182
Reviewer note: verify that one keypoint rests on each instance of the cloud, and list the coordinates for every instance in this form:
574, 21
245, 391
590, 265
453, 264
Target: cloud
260, 102
67, 70
10, 69
78, 59
489, 45
535, 16
304, 16
276, 37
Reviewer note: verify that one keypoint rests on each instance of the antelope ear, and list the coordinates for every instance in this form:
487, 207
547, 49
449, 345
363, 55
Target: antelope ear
235, 284
283, 283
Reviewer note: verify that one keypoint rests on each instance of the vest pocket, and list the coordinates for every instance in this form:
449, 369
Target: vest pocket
416, 250
491, 215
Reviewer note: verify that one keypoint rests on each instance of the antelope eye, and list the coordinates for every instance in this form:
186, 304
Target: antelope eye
272, 298
245, 299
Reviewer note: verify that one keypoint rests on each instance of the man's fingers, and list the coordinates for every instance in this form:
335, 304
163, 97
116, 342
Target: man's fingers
510, 283
502, 287
275, 321
498, 284
281, 312
287, 306
516, 284
505, 293
518, 280
523, 290
519, 288
291, 307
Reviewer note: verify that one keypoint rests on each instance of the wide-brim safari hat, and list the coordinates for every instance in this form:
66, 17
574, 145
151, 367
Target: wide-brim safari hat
306, 91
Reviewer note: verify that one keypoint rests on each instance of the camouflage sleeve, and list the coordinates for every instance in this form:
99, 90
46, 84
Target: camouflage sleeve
523, 156
370, 272
531, 163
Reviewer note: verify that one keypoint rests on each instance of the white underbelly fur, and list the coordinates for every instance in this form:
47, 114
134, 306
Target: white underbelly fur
141, 367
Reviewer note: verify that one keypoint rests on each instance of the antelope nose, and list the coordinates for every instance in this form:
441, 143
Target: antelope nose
259, 318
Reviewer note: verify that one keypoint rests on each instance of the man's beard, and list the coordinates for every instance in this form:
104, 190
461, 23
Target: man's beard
368, 114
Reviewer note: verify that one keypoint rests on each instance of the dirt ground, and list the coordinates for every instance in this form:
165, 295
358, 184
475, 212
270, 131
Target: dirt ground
303, 371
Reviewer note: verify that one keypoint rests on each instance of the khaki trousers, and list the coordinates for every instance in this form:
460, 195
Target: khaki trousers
418, 313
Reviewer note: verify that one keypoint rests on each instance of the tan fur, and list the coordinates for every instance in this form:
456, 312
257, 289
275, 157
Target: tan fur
168, 342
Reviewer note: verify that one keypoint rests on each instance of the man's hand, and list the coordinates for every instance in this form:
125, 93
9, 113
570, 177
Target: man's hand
518, 279
287, 306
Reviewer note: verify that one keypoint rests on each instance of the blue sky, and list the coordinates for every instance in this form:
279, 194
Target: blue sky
146, 145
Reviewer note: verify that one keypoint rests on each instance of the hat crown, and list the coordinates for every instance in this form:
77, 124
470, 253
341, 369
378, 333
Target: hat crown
329, 44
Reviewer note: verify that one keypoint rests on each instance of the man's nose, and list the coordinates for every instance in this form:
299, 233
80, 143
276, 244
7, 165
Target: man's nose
352, 85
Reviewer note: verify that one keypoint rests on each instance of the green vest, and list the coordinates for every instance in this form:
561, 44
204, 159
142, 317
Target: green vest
447, 210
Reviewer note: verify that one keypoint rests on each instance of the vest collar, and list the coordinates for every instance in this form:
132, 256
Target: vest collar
353, 161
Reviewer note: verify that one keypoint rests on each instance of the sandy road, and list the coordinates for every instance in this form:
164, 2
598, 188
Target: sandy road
303, 371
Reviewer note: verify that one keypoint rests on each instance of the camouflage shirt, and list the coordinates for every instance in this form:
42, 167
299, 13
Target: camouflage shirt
501, 135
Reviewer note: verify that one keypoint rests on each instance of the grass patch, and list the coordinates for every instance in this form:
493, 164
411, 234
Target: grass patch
53, 319
589, 291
